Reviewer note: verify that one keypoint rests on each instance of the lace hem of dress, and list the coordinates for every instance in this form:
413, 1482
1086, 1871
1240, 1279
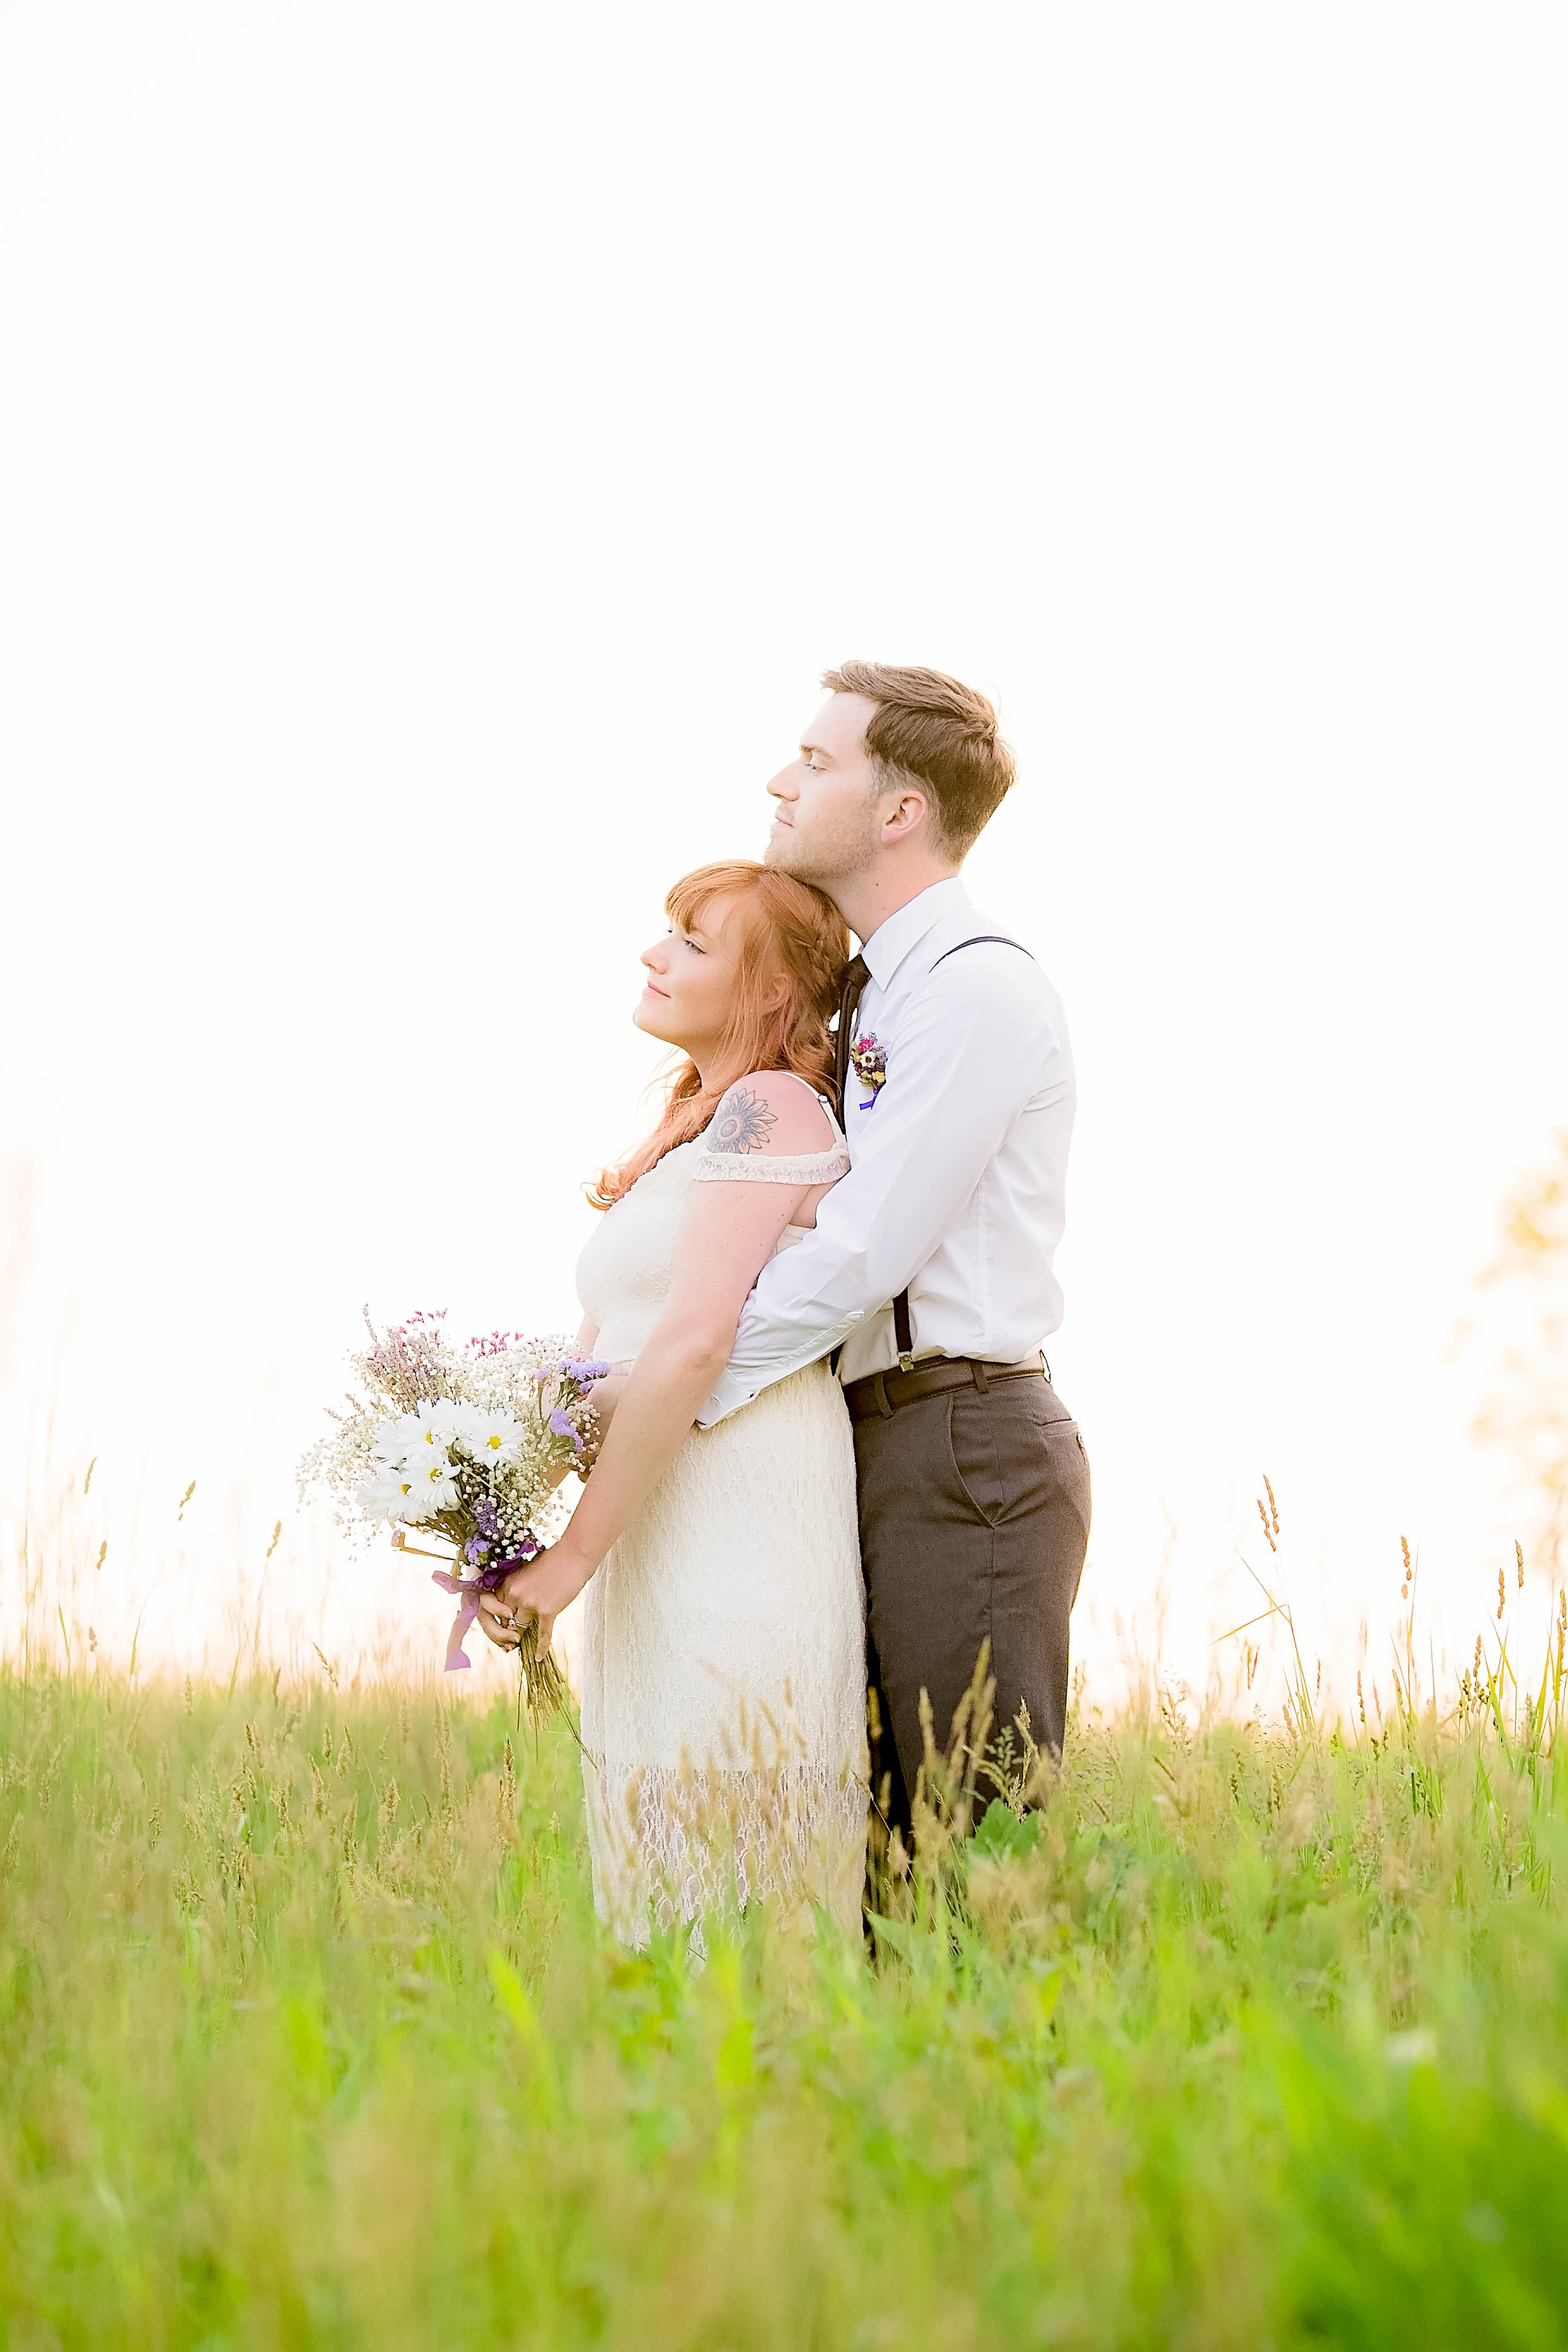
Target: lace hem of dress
809, 1168
689, 1842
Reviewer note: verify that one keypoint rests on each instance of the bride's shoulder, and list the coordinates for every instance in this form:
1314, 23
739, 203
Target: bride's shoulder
770, 1111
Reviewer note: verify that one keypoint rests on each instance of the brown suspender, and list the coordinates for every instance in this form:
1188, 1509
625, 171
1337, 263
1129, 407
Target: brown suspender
903, 1332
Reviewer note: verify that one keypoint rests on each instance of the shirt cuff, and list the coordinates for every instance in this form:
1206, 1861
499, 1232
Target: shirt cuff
728, 1397
735, 1388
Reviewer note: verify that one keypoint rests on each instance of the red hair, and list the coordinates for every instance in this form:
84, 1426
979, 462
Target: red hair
788, 932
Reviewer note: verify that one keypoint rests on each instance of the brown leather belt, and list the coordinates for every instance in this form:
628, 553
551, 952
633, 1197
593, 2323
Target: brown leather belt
883, 1393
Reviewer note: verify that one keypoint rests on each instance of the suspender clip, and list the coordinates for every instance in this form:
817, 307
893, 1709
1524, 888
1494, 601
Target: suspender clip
903, 1336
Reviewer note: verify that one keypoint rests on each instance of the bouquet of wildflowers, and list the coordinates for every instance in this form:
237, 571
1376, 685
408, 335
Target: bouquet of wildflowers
466, 1443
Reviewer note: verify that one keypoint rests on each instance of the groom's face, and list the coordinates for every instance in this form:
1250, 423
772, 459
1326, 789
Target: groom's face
827, 824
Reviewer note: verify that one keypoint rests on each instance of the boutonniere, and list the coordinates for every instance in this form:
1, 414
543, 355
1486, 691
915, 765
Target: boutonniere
871, 1067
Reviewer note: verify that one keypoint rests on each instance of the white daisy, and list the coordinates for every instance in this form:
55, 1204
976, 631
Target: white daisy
467, 1425
432, 1435
451, 1421
392, 1442
385, 1495
493, 1437
432, 1486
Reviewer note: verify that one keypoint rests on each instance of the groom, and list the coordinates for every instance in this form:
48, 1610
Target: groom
930, 1266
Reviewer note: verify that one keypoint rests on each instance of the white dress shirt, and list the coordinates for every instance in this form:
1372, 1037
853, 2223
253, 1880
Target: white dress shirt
957, 1186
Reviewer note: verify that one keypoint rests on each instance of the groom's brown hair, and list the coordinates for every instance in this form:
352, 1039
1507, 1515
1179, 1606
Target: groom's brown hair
940, 732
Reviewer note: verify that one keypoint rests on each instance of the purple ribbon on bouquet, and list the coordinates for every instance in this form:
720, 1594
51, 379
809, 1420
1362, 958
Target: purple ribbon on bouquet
468, 1590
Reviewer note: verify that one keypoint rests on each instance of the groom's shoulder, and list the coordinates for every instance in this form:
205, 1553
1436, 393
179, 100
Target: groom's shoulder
972, 957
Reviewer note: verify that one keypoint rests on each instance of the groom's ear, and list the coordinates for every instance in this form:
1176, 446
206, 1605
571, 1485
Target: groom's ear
911, 808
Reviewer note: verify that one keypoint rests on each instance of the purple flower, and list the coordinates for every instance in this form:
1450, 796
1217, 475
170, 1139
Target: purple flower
487, 1529
561, 1422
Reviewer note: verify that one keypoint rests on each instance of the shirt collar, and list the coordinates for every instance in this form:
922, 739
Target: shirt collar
890, 942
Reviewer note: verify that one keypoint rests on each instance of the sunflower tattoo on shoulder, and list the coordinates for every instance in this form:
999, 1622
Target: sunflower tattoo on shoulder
741, 1122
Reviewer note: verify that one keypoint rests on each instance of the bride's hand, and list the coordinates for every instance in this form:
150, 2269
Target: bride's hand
544, 1587
497, 1624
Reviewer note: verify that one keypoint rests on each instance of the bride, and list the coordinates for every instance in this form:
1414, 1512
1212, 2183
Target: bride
723, 1660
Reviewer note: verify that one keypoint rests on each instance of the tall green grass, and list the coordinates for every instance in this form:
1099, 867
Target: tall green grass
307, 2037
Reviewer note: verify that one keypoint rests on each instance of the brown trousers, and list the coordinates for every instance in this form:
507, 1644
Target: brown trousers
975, 1514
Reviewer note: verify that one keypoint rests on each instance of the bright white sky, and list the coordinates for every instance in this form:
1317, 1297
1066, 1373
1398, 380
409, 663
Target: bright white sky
439, 447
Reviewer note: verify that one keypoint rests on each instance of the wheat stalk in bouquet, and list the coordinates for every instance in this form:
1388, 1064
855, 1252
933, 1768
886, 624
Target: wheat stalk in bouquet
466, 1443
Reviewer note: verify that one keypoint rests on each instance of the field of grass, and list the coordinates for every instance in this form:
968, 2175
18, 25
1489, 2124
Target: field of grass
307, 2037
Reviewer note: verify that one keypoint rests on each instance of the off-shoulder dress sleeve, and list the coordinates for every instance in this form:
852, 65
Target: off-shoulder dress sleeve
763, 1168
778, 1168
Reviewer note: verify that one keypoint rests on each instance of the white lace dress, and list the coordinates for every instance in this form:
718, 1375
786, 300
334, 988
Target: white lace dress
723, 1648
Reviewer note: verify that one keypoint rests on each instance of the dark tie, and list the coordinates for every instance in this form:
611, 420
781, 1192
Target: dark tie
855, 974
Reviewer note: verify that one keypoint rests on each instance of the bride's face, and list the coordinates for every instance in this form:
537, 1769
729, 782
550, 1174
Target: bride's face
691, 980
